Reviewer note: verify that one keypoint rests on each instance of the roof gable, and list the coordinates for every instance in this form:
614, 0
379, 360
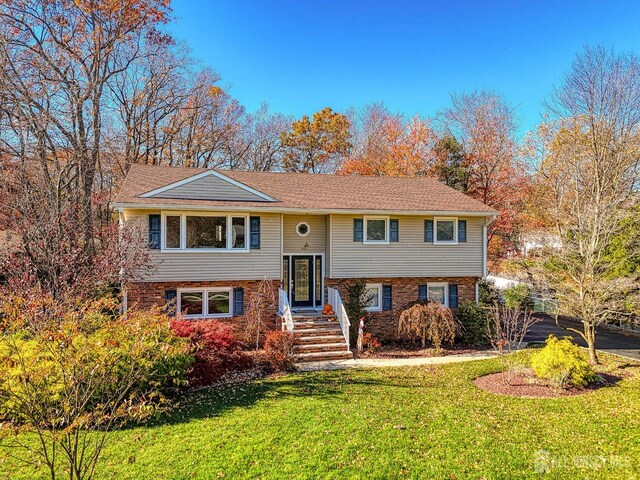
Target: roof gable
209, 185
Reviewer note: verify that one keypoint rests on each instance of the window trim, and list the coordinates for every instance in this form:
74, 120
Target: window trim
378, 286
308, 229
446, 291
183, 232
365, 221
205, 302
455, 230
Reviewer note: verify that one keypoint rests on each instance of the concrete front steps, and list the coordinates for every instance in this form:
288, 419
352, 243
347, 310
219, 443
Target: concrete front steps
318, 338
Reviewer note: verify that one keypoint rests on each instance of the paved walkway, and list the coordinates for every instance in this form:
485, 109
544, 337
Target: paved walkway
392, 362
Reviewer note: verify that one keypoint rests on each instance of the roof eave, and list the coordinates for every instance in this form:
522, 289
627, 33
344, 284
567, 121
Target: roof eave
276, 209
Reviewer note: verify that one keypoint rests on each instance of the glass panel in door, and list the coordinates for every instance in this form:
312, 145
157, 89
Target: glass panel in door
302, 279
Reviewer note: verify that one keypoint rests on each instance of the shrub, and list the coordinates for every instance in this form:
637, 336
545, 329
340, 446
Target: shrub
429, 321
488, 294
473, 318
73, 382
356, 306
278, 348
518, 296
215, 348
370, 342
562, 363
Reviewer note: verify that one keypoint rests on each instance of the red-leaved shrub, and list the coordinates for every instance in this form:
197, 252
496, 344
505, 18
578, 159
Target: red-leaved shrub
278, 348
215, 348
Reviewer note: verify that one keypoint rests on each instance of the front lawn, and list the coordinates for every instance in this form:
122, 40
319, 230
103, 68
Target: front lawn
421, 422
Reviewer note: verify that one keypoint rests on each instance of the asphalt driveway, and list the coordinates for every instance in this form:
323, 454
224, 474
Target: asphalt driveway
607, 341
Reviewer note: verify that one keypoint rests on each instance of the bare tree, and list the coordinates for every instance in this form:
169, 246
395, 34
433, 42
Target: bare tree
258, 145
589, 177
506, 328
260, 309
485, 124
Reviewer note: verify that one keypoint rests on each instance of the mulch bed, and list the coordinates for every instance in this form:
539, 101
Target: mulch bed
525, 384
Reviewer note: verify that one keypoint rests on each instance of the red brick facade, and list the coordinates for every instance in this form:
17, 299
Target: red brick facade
145, 295
382, 324
404, 291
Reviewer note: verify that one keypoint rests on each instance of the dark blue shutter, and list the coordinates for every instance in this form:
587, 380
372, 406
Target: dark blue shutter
170, 296
154, 231
254, 223
422, 293
386, 297
357, 230
238, 301
393, 230
453, 295
462, 230
428, 231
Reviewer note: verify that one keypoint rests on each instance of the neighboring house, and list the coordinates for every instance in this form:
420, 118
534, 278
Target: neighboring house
215, 235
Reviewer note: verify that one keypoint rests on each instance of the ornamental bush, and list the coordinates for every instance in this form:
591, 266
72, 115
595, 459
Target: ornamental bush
71, 381
562, 363
429, 321
278, 348
215, 347
473, 318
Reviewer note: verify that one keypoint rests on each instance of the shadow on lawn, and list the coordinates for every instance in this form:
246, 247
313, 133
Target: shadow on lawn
214, 401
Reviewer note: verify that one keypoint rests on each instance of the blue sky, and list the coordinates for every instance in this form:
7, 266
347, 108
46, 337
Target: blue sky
300, 56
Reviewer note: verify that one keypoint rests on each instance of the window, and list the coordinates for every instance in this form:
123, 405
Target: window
376, 230
172, 231
446, 230
437, 292
238, 229
374, 291
205, 232
318, 278
303, 229
210, 302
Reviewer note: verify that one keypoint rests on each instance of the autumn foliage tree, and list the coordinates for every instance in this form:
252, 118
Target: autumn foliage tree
587, 186
315, 144
387, 144
484, 124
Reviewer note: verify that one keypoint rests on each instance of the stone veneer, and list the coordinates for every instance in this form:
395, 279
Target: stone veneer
403, 291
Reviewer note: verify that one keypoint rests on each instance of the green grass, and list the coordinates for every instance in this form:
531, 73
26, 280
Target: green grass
423, 422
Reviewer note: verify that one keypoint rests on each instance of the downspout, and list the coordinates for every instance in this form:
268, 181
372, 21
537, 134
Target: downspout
485, 225
123, 288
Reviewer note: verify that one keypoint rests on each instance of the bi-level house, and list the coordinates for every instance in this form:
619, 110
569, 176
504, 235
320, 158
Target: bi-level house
215, 235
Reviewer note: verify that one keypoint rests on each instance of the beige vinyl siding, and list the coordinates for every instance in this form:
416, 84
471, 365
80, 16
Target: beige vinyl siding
212, 266
327, 257
210, 188
293, 243
410, 257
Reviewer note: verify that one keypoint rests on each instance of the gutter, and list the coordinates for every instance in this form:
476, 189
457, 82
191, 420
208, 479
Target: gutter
486, 224
123, 288
319, 211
